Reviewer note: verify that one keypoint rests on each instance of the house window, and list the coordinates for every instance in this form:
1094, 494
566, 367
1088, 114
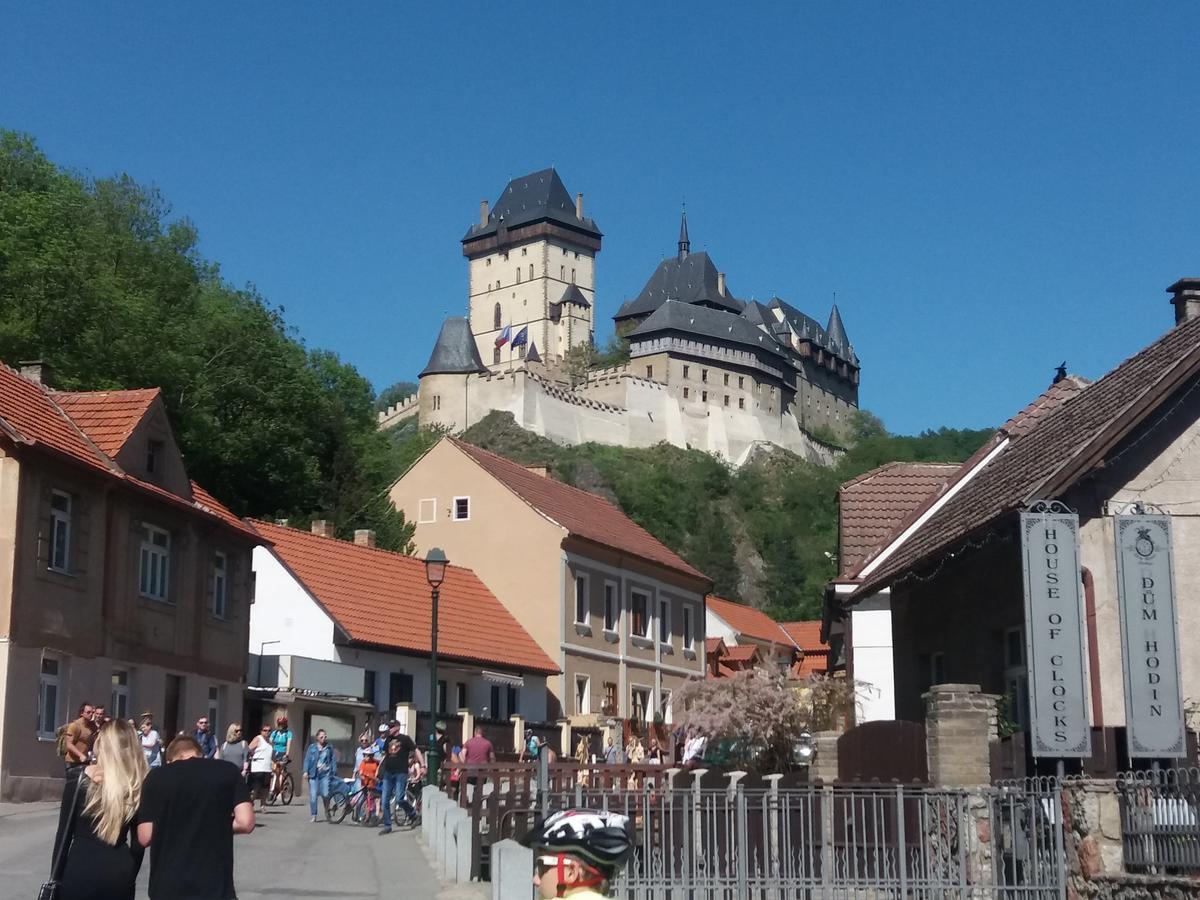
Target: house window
609, 708
487, 261
48, 698
521, 351
531, 271
639, 704
462, 509
664, 621
494, 710
514, 704
214, 710
427, 511
572, 276
154, 450
368, 693
741, 402
704, 375
649, 371
562, 272
685, 371
524, 251
400, 689
441, 696
741, 382
581, 600
664, 706
726, 399
496, 316
518, 274
495, 356
437, 401
60, 531
461, 697
639, 614
583, 695
610, 607
704, 396
119, 702
685, 393
154, 569
726, 379
219, 582
689, 641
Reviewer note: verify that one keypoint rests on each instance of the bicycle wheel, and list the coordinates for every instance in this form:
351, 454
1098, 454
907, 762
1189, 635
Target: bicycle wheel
339, 807
287, 790
367, 808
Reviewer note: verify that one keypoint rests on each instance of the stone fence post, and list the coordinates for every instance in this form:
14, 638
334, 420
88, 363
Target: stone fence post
518, 727
825, 760
959, 723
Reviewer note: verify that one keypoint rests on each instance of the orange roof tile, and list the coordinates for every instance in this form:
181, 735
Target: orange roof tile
581, 513
749, 621
711, 645
741, 653
107, 417
807, 636
382, 598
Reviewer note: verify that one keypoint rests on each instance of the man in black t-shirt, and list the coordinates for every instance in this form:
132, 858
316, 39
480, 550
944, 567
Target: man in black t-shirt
191, 809
393, 779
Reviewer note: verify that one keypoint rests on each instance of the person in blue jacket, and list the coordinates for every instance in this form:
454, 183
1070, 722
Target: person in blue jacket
320, 767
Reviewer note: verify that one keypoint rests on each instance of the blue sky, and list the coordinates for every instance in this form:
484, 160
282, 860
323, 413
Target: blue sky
988, 189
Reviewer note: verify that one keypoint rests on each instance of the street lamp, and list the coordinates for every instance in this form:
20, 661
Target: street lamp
435, 574
804, 750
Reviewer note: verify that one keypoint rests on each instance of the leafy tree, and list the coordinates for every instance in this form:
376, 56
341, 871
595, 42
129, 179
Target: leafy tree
396, 393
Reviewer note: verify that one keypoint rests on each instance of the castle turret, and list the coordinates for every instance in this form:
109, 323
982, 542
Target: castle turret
443, 392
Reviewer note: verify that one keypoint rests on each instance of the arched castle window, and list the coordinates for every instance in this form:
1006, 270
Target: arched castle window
518, 274
496, 356
531, 271
496, 316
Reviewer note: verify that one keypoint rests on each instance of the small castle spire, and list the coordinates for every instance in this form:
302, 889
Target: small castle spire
835, 332
684, 244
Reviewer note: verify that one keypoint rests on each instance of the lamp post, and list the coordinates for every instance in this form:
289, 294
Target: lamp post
435, 574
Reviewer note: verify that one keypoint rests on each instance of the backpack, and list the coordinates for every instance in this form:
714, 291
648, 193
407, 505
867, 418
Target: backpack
60, 741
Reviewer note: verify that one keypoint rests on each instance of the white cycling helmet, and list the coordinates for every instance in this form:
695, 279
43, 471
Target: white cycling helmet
602, 840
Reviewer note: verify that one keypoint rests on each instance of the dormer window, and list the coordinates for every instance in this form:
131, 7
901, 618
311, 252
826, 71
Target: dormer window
154, 456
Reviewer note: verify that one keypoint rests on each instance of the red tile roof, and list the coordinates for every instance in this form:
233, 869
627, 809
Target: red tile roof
741, 652
1068, 441
581, 513
711, 645
807, 636
382, 598
31, 415
873, 504
107, 417
749, 621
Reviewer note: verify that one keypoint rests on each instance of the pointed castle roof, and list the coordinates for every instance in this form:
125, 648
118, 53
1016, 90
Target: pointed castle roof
538, 196
455, 352
685, 245
835, 336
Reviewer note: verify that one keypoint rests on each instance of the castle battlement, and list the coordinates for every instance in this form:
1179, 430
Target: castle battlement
398, 412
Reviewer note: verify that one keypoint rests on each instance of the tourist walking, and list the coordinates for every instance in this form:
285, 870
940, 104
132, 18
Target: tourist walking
78, 736
578, 853
96, 856
234, 749
320, 765
150, 740
191, 808
393, 780
612, 753
260, 753
205, 737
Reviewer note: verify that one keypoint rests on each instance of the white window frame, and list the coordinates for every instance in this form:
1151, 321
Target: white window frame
612, 599
60, 519
454, 516
664, 705
119, 699
649, 614
157, 555
219, 601
424, 517
647, 707
1016, 677
664, 621
689, 619
46, 682
583, 702
582, 582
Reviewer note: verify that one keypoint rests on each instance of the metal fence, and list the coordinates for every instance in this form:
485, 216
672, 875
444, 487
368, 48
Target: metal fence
1160, 821
839, 841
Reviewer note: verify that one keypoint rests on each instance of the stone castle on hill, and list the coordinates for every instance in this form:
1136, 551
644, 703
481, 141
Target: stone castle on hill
706, 370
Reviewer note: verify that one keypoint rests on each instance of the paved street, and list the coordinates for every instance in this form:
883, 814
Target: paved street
286, 856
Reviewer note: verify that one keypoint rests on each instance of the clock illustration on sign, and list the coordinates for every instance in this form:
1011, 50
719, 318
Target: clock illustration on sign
1144, 546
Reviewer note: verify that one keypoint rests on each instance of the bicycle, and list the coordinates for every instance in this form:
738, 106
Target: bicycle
412, 793
363, 806
283, 787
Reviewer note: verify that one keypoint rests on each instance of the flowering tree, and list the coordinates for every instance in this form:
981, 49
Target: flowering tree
754, 717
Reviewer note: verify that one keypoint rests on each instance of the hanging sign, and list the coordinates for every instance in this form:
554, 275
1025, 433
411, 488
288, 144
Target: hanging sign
1154, 724
1058, 719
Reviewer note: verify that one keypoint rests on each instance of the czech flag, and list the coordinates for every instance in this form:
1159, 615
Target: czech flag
503, 337
522, 337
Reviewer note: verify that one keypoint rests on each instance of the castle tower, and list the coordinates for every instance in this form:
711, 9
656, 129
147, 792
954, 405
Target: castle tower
531, 263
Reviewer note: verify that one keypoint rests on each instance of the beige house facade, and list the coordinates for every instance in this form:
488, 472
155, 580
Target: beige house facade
121, 582
620, 614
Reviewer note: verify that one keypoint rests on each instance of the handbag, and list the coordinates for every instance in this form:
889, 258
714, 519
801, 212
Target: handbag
52, 889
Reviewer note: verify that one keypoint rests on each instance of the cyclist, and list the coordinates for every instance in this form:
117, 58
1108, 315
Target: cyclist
578, 853
281, 752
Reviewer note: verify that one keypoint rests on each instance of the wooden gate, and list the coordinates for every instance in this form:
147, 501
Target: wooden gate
883, 751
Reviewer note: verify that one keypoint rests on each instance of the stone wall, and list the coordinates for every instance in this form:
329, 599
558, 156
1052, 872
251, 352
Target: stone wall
960, 723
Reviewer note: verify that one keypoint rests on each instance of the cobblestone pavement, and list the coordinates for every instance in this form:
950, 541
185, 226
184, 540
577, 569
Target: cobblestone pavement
286, 856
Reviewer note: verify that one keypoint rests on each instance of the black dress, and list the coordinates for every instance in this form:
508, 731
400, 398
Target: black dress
96, 870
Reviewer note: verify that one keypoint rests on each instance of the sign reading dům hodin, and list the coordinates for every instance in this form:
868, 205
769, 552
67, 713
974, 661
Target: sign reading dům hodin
1149, 638
1058, 720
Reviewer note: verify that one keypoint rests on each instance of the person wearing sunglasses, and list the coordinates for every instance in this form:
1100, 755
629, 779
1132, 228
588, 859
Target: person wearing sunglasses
579, 852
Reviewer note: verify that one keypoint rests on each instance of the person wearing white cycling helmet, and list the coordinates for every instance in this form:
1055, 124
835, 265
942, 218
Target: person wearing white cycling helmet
578, 853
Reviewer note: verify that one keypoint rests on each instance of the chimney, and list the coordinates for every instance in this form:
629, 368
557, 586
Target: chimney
483, 213
1186, 300
364, 537
579, 206
322, 527
721, 283
544, 471
37, 370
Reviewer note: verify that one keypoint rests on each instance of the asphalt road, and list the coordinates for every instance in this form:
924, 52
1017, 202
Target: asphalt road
286, 856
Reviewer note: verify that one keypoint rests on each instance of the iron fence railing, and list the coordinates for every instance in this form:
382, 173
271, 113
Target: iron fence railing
1160, 821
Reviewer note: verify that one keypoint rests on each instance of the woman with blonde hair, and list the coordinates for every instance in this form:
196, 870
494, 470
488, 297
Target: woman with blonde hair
97, 819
